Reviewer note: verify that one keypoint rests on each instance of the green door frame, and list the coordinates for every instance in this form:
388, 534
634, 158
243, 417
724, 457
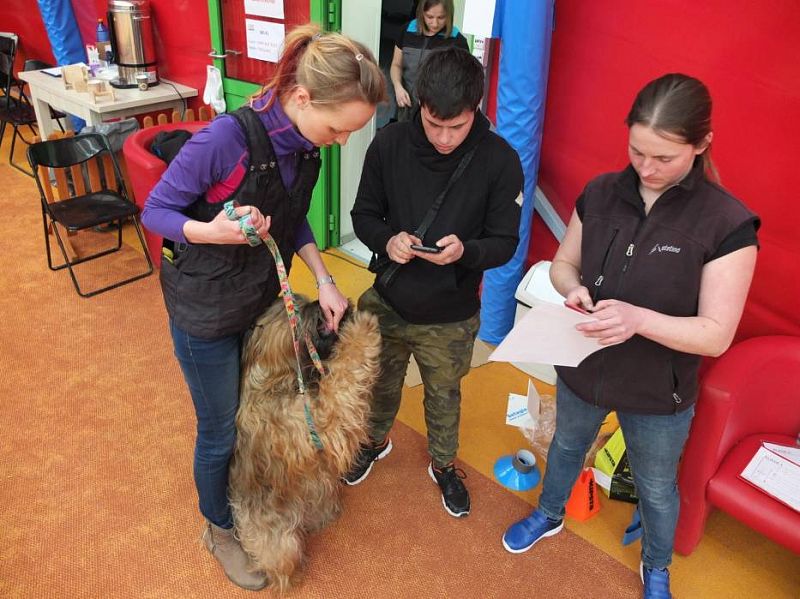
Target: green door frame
323, 215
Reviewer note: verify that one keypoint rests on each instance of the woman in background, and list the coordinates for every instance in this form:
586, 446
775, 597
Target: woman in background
662, 257
433, 28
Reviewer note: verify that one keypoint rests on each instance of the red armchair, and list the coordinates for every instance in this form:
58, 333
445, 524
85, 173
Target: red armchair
145, 169
751, 394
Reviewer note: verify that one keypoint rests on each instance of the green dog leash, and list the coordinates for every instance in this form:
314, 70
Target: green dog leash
289, 303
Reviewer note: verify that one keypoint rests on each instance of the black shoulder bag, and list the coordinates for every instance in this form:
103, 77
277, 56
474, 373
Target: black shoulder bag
387, 277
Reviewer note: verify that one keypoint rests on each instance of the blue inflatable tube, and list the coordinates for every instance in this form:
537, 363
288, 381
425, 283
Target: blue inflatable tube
65, 37
525, 29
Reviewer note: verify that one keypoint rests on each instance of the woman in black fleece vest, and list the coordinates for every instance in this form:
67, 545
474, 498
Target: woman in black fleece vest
663, 258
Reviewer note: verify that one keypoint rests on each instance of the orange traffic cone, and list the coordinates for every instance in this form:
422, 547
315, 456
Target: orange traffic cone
583, 502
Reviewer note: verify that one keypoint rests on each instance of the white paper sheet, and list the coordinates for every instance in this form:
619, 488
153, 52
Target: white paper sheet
790, 453
547, 335
602, 479
523, 411
264, 8
517, 411
264, 39
478, 17
776, 476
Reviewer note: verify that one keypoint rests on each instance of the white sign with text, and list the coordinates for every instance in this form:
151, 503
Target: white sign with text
264, 40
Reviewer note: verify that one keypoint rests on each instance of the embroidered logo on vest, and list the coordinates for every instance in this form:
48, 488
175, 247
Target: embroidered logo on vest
664, 248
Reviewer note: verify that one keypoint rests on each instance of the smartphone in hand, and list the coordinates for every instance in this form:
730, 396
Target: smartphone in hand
426, 248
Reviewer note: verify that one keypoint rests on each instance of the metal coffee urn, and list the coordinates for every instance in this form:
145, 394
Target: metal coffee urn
131, 28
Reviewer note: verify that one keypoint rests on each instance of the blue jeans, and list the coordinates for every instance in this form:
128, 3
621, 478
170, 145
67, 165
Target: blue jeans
654, 444
211, 370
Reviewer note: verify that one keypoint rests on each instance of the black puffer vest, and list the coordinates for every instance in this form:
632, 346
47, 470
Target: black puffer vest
215, 290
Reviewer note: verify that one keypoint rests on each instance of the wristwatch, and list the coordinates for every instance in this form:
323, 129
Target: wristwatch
325, 281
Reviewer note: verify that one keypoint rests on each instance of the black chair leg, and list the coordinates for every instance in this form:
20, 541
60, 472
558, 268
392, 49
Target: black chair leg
47, 241
69, 264
11, 153
142, 241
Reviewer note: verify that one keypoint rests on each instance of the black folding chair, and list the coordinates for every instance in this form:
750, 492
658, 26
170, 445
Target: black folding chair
15, 110
8, 51
91, 193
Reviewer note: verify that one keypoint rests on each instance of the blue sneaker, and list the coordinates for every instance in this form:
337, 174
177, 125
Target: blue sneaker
524, 534
656, 583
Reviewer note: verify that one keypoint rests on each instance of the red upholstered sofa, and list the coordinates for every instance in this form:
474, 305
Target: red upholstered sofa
749, 395
145, 169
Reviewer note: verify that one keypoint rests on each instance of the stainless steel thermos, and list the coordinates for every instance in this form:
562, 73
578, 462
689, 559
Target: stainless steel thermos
131, 26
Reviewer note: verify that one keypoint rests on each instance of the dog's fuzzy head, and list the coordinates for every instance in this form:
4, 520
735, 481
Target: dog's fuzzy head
322, 336
271, 348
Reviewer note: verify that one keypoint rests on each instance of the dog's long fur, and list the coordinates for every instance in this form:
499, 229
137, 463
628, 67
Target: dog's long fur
281, 486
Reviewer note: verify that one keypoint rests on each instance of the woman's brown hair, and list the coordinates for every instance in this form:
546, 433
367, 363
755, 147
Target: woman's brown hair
676, 106
447, 5
332, 67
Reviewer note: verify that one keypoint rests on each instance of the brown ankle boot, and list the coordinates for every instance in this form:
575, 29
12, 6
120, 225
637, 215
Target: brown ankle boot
233, 559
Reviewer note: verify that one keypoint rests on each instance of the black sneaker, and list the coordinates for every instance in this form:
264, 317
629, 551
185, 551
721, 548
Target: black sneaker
455, 497
367, 456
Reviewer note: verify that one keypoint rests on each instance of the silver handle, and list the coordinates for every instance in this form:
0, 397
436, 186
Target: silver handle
213, 53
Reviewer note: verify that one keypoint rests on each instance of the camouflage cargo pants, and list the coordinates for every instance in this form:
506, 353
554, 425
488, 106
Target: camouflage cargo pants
443, 353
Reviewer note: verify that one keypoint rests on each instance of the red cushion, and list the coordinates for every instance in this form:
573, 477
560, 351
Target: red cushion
145, 170
751, 506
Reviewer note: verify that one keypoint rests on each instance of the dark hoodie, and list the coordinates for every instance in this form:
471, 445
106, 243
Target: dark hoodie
403, 173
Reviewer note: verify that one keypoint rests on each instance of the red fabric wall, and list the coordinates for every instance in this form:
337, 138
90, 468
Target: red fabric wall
183, 39
22, 17
181, 29
602, 54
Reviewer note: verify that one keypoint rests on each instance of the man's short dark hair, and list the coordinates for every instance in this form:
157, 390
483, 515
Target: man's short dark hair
449, 82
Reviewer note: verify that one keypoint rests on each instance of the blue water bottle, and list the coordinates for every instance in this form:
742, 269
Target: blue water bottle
102, 32
104, 43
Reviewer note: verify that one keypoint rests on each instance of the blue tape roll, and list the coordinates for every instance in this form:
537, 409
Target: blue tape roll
518, 471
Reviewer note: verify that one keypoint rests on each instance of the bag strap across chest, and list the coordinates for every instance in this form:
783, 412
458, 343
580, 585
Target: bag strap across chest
388, 275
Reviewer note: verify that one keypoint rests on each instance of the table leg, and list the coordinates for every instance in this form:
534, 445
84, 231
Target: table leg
95, 118
42, 110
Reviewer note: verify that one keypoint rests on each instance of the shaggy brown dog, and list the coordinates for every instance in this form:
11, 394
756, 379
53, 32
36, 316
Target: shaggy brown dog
282, 487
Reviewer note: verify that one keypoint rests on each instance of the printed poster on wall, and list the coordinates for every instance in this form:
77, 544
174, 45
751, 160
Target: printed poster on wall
264, 8
264, 39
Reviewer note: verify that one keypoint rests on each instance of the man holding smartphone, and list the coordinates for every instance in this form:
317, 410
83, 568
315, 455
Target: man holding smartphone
438, 203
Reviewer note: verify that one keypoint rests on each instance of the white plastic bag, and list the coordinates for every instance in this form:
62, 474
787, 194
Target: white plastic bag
213, 94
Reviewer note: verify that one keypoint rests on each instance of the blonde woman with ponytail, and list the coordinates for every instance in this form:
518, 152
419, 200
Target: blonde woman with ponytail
266, 157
